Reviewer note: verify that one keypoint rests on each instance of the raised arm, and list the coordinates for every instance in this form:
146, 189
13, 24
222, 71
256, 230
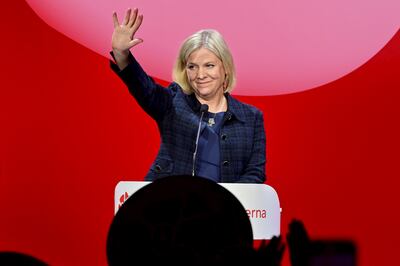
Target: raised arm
123, 37
152, 97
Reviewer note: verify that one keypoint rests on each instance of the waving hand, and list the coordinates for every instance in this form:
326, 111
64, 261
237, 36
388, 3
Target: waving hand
123, 37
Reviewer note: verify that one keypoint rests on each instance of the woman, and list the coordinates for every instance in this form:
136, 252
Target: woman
204, 130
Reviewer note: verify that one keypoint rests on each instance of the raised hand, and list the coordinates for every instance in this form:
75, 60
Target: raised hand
123, 37
270, 254
299, 244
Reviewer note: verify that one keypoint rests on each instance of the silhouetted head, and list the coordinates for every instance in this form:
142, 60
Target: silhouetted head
9, 258
182, 220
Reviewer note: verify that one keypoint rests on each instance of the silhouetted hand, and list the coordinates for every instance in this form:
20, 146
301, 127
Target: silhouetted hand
299, 244
270, 254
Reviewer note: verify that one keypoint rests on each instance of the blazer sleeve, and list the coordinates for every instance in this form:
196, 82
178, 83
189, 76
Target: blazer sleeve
152, 97
254, 171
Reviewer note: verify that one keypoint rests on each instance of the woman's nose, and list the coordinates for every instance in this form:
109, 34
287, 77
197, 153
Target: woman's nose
201, 73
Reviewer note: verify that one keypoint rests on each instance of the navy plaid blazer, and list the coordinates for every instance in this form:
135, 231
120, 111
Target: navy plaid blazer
242, 136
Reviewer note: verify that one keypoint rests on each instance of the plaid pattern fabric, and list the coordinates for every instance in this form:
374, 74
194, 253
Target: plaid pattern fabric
242, 136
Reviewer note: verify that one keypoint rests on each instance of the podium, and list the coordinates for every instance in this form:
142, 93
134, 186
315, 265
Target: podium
260, 201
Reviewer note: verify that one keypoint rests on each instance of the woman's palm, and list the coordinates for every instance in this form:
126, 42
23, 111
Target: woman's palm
123, 37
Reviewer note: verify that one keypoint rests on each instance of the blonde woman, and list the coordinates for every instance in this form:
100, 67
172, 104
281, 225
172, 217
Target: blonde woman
204, 130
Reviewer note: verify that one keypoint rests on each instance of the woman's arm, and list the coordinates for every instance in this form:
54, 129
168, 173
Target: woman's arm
153, 98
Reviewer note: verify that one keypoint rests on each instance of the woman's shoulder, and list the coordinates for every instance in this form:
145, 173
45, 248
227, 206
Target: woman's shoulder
180, 98
175, 87
246, 109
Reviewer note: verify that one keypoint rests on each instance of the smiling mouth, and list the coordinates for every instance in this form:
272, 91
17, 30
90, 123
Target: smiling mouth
202, 83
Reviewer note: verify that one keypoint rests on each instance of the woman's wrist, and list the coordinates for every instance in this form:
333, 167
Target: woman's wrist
121, 58
120, 53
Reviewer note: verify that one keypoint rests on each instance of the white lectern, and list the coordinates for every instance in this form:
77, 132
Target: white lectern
260, 201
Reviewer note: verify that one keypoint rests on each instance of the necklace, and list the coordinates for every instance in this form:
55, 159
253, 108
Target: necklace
211, 120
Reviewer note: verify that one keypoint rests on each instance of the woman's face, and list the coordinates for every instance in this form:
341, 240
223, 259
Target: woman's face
206, 74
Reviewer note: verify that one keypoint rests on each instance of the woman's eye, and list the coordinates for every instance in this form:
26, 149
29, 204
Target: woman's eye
210, 65
191, 67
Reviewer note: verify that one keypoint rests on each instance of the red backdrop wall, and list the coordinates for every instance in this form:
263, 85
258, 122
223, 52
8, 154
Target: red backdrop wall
70, 131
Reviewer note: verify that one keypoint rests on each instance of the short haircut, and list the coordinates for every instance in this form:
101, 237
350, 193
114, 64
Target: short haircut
213, 41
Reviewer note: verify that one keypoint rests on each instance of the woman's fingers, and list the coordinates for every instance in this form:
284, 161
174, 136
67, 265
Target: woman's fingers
138, 22
134, 42
132, 17
124, 34
131, 20
127, 17
115, 20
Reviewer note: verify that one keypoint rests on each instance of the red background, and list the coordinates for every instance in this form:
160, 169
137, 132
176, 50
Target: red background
70, 131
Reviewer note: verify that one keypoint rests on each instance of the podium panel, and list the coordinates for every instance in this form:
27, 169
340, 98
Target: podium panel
260, 201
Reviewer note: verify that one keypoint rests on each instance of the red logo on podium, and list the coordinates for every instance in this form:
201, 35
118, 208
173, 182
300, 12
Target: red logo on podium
122, 199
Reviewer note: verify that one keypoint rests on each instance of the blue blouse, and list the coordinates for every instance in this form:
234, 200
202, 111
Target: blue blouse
208, 162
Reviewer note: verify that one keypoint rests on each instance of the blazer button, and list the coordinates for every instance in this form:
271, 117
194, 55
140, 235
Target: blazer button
225, 163
158, 168
223, 137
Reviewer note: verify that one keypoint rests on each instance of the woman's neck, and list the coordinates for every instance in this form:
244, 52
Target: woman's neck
215, 105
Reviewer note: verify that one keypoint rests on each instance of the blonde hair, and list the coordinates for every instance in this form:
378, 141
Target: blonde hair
213, 41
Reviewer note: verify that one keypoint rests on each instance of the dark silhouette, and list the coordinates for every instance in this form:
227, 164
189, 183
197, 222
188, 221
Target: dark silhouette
185, 220
299, 244
9, 258
306, 252
182, 220
270, 252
